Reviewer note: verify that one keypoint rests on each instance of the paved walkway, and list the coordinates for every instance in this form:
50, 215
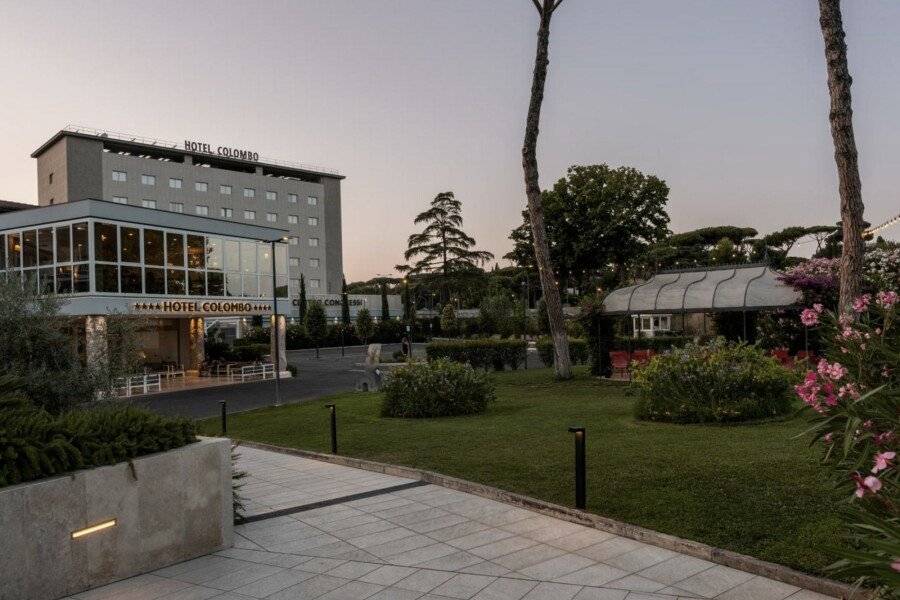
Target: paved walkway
424, 542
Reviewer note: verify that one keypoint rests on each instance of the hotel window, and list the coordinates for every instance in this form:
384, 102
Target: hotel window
148, 179
202, 210
312, 221
294, 261
120, 199
312, 200
313, 242
250, 215
314, 263
63, 244
131, 280
292, 198
154, 281
271, 217
176, 207
79, 242
29, 248
225, 213
175, 281
196, 252
106, 247
13, 250
271, 196
175, 183
201, 186
107, 278
314, 284
45, 247
225, 189
148, 203
119, 176
293, 240
130, 250
174, 250
249, 193
293, 219
153, 247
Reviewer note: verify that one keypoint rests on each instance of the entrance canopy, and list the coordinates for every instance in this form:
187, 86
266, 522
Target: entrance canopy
712, 289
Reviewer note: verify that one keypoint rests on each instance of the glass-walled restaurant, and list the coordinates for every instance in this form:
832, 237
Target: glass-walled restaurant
173, 269
134, 259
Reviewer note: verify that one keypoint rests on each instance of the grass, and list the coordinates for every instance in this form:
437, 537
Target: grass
755, 489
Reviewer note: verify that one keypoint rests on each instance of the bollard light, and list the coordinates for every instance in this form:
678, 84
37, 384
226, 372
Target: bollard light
331, 407
224, 417
579, 466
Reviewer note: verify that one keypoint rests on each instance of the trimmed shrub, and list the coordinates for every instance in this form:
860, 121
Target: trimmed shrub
440, 388
249, 351
660, 343
578, 351
482, 353
35, 444
719, 382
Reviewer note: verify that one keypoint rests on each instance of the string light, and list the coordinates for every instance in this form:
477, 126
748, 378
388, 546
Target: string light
883, 226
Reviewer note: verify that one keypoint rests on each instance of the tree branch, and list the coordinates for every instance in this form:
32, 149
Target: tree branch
537, 5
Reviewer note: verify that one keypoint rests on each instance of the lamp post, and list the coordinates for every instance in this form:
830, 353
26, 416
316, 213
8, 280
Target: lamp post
275, 328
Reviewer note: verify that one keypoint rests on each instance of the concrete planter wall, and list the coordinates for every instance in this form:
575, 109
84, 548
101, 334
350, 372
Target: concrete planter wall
172, 506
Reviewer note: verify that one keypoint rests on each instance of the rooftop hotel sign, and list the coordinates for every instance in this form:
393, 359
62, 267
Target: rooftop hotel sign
224, 151
202, 307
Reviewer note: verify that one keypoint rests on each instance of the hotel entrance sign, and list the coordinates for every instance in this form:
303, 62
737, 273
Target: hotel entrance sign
202, 307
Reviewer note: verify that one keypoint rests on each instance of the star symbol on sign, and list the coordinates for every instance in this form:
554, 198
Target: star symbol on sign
158, 306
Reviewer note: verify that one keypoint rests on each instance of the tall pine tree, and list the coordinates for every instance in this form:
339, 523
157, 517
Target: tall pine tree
301, 300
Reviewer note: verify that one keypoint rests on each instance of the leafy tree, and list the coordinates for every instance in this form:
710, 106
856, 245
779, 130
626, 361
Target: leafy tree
316, 324
725, 253
442, 247
777, 245
522, 254
562, 363
301, 300
449, 324
598, 217
345, 303
494, 315
841, 118
693, 248
365, 326
385, 308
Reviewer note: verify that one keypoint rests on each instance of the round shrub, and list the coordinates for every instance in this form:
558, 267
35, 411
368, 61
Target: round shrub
438, 388
718, 382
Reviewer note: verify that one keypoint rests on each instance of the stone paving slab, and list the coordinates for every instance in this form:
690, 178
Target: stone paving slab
424, 543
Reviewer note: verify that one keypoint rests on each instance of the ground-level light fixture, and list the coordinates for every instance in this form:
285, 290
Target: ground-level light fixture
93, 529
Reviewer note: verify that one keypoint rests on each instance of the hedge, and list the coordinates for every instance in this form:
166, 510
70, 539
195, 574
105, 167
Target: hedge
480, 353
35, 444
578, 351
440, 388
718, 382
659, 343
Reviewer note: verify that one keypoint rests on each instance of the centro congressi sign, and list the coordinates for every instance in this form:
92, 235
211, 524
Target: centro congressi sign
224, 151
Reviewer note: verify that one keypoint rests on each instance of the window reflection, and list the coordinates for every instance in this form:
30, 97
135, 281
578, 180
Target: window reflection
153, 247
174, 250
79, 242
105, 243
131, 244
196, 250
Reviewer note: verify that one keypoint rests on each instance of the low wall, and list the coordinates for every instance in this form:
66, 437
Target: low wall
168, 507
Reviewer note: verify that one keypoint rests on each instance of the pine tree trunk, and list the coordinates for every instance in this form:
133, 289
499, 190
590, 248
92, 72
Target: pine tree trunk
841, 117
562, 363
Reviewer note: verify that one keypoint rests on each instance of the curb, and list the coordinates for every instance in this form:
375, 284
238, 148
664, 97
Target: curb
719, 556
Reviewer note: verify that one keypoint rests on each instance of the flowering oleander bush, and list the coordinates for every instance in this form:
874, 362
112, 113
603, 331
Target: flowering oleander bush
882, 269
439, 388
717, 382
854, 394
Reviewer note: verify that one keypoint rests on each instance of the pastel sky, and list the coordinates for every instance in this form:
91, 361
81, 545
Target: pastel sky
723, 99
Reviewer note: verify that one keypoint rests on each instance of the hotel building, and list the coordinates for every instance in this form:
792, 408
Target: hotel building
205, 180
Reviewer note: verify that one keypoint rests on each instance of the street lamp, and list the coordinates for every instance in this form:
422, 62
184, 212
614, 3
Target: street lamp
275, 328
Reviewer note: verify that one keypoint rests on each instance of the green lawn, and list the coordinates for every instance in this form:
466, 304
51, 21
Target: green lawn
754, 489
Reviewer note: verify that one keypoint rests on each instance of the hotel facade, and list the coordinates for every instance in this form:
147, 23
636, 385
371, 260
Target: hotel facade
206, 180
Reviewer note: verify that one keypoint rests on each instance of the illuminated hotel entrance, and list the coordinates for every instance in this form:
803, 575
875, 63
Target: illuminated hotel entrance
172, 271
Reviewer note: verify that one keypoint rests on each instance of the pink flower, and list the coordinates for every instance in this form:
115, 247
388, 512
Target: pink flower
809, 317
834, 371
887, 300
818, 308
896, 564
869, 485
861, 304
829, 437
883, 439
883, 461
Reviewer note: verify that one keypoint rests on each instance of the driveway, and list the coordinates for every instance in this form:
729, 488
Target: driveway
328, 532
317, 377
